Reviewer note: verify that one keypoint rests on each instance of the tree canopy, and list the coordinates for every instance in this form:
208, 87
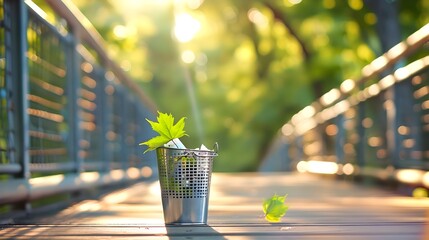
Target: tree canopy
238, 70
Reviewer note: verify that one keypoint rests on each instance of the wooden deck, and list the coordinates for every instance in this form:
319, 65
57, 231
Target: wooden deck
318, 209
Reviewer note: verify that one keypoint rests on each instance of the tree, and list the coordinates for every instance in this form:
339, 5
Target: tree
252, 64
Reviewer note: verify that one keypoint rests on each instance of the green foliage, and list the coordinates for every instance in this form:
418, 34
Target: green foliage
248, 77
274, 208
166, 129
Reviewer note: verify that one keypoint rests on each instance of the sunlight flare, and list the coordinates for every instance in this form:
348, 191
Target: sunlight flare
186, 27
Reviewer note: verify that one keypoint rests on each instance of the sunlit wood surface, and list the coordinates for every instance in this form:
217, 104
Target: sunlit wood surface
319, 208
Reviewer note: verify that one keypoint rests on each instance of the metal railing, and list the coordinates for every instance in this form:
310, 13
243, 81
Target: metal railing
376, 125
69, 117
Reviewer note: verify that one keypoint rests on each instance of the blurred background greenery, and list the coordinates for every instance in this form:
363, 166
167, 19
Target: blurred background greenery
238, 70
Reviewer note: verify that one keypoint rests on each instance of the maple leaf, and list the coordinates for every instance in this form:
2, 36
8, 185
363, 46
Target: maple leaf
274, 208
166, 129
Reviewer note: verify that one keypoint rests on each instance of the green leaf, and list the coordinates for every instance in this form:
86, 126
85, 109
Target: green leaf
274, 208
177, 130
166, 129
155, 143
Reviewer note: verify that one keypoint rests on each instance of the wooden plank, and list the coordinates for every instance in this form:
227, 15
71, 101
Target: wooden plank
319, 208
257, 230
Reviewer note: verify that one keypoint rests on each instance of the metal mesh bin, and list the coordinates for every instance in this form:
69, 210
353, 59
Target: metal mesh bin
184, 176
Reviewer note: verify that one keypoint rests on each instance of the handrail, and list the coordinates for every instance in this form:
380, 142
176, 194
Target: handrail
399, 51
361, 128
70, 122
377, 66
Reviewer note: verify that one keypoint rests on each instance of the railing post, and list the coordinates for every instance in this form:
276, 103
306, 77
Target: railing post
125, 120
103, 115
340, 138
300, 148
406, 117
141, 133
73, 87
284, 151
361, 131
145, 132
16, 21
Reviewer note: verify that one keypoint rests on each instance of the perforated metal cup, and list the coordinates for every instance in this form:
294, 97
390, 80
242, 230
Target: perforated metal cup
184, 176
